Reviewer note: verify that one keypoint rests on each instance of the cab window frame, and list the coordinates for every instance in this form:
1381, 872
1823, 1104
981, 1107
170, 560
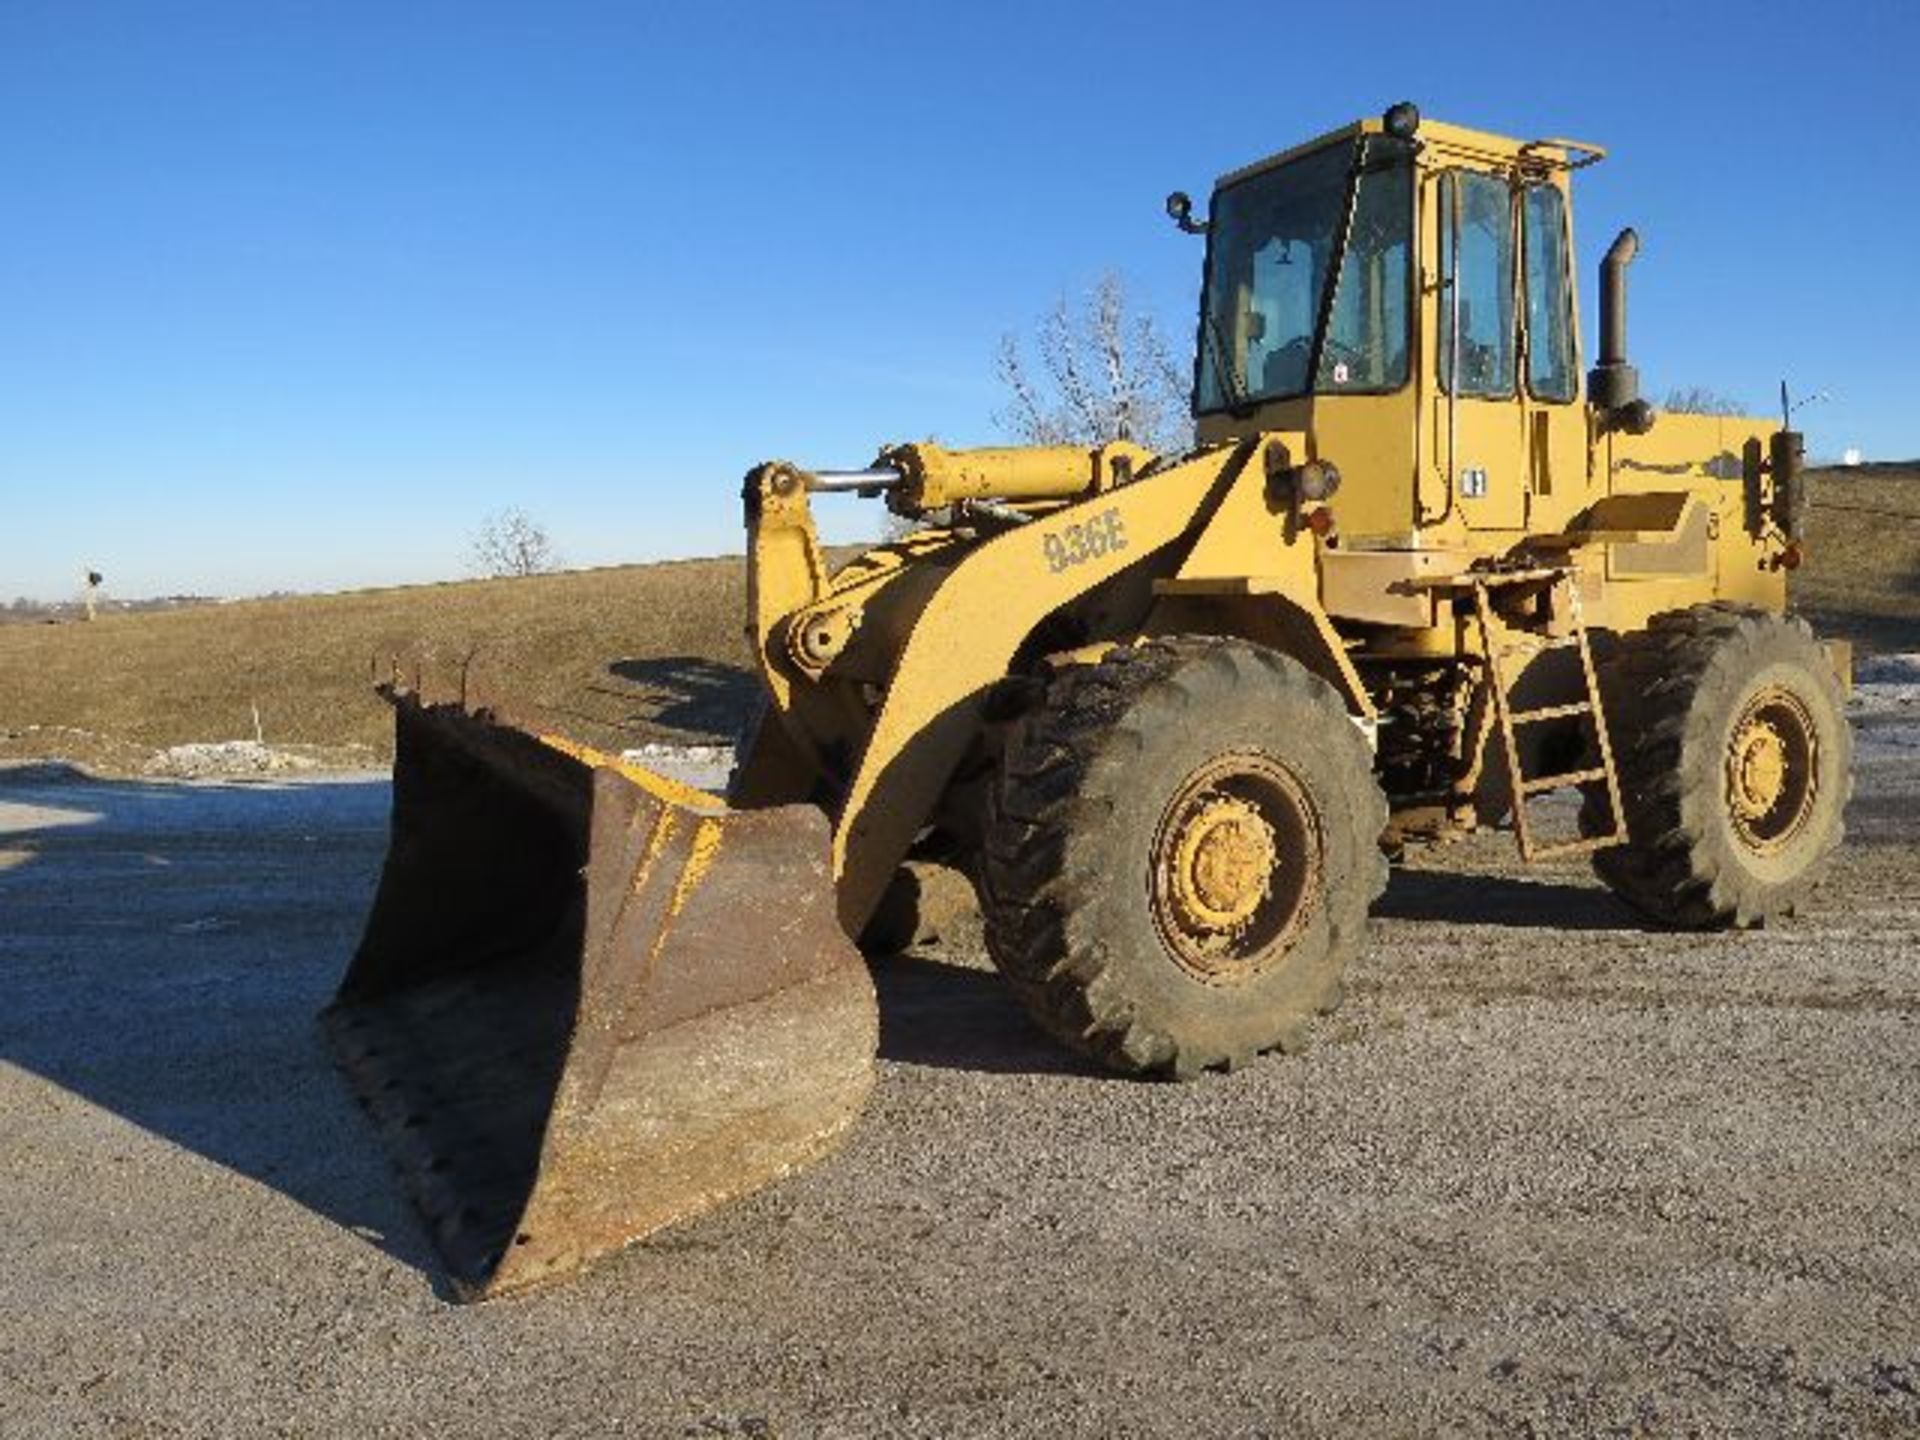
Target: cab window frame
1563, 250
1448, 194
1356, 148
1400, 158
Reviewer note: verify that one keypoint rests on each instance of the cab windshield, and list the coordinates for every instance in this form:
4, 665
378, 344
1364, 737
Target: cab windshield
1269, 328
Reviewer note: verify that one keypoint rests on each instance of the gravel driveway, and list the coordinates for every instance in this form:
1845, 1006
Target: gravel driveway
1545, 1171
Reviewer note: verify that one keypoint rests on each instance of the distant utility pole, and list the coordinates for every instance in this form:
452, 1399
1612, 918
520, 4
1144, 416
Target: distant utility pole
94, 577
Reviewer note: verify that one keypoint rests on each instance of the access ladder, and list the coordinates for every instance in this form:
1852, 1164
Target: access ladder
1561, 581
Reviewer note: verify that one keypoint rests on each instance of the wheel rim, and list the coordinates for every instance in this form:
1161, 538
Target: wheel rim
1772, 753
1237, 864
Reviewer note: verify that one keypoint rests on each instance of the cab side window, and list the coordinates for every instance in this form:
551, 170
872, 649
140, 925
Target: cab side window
1365, 347
1479, 210
1551, 370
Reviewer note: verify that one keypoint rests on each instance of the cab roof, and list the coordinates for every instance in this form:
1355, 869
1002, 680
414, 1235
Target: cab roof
1450, 142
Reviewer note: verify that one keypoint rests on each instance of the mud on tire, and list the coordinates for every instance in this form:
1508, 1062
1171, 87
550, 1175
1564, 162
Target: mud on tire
1735, 764
1181, 849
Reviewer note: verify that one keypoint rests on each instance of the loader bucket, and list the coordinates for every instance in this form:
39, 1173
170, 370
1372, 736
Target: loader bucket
591, 1002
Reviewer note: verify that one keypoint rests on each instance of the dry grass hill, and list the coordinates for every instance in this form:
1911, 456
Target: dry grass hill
1862, 577
616, 657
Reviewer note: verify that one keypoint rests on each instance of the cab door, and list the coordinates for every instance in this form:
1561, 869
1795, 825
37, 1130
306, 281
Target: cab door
1480, 448
1559, 484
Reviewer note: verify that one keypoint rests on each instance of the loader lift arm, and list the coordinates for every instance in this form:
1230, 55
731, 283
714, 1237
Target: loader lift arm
966, 630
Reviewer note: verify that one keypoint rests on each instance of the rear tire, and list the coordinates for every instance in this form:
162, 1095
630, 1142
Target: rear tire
1181, 847
1735, 765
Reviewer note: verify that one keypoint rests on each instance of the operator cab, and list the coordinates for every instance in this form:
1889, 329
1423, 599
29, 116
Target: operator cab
1401, 294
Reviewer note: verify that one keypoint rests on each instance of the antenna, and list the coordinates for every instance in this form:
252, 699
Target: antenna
1787, 407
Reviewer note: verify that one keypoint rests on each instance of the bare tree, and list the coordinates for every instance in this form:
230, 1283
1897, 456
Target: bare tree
1699, 400
512, 542
1105, 373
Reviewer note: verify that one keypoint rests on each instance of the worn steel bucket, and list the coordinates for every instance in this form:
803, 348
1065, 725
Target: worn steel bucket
590, 1001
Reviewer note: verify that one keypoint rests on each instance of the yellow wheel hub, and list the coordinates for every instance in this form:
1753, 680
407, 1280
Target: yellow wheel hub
1236, 868
1223, 865
1758, 766
1773, 766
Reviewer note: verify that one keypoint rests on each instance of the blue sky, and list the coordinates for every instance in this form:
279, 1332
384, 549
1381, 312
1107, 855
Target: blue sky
292, 295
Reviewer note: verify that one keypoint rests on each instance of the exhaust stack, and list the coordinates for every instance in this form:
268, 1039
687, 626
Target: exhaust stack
1613, 386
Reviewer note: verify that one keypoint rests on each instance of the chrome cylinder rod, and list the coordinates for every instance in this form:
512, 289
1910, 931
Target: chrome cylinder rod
865, 482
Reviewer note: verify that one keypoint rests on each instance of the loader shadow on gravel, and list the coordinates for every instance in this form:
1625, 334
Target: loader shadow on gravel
166, 952
958, 1017
171, 946
1452, 898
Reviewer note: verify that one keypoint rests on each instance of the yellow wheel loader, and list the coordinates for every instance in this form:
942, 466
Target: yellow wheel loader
1166, 711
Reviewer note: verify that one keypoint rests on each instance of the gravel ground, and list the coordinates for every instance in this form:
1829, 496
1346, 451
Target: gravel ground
1544, 1172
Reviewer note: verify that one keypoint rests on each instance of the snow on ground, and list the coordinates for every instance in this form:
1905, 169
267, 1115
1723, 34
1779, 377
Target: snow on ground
1885, 708
705, 767
230, 759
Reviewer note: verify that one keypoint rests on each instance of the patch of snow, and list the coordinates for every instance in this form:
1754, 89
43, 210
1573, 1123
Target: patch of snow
1885, 674
1885, 708
705, 767
225, 757
231, 759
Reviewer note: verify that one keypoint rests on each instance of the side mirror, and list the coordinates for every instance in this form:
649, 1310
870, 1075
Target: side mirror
1180, 211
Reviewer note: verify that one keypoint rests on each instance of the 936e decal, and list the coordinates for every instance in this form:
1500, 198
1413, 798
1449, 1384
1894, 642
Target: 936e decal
1077, 544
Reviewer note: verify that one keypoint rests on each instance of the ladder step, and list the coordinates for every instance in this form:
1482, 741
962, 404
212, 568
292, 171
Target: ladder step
1558, 642
1575, 847
1561, 782
1550, 712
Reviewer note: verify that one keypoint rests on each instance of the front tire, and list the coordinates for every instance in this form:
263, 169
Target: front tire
1181, 848
1735, 765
